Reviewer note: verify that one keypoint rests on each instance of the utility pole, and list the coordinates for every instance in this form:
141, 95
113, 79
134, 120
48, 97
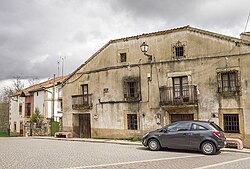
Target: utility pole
53, 103
53, 97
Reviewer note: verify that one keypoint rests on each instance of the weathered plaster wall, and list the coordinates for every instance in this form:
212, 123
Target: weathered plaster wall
205, 55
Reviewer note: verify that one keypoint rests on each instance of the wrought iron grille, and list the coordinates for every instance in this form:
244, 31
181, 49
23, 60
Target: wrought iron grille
188, 96
82, 101
231, 123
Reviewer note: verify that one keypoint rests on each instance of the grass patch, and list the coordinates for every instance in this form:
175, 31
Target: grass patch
4, 134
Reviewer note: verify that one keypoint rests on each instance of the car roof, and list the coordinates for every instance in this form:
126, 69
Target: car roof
196, 121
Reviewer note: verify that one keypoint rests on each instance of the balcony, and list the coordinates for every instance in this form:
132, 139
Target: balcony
80, 102
186, 95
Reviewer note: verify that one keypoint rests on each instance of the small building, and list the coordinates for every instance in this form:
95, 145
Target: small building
187, 74
40, 98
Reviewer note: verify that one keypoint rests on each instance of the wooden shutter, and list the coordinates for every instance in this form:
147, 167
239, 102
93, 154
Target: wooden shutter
219, 82
238, 81
136, 89
125, 89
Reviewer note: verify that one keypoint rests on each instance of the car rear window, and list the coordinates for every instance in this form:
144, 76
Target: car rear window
216, 126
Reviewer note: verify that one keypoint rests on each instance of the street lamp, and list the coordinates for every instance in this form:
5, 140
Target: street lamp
144, 48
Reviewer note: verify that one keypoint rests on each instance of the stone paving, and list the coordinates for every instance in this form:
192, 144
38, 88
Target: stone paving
46, 153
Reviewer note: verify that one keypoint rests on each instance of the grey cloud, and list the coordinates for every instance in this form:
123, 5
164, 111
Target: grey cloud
34, 34
209, 14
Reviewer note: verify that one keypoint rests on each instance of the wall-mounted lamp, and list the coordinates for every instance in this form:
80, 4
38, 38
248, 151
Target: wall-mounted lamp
144, 48
226, 59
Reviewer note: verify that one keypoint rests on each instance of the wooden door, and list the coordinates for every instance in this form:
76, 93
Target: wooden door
84, 125
21, 128
181, 117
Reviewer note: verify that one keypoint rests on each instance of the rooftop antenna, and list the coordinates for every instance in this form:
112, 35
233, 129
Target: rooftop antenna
58, 68
247, 22
62, 58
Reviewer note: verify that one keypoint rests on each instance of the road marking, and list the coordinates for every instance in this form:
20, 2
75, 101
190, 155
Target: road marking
133, 162
223, 163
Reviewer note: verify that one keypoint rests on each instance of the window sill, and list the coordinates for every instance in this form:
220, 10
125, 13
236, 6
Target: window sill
230, 94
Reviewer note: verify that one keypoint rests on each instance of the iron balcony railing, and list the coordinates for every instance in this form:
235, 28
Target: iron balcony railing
82, 101
182, 95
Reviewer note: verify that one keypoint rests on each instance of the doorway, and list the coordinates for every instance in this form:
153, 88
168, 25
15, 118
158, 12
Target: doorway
181, 117
84, 126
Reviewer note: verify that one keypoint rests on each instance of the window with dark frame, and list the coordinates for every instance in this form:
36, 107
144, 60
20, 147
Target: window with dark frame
28, 109
179, 51
180, 88
132, 121
231, 123
85, 92
131, 91
14, 126
123, 57
20, 108
229, 81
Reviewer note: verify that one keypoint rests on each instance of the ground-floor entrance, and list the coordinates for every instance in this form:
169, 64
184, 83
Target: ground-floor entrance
84, 126
181, 117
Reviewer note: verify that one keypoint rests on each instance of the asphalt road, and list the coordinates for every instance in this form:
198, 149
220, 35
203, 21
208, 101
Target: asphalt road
41, 153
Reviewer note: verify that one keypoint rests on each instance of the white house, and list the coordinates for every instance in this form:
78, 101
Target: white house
45, 97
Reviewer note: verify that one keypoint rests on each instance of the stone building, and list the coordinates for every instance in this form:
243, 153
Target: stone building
187, 73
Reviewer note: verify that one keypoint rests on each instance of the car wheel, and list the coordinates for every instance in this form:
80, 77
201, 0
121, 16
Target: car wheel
208, 148
154, 145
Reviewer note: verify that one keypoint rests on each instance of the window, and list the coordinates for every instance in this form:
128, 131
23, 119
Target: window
197, 127
85, 91
27, 109
179, 50
132, 121
123, 57
20, 108
231, 123
180, 89
14, 126
59, 105
229, 81
179, 127
131, 89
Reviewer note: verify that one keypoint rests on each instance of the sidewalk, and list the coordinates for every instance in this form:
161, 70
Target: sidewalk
124, 142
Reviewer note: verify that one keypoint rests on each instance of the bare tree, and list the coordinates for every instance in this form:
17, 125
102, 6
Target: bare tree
8, 91
33, 81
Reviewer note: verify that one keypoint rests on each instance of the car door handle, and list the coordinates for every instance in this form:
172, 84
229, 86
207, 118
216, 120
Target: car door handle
187, 134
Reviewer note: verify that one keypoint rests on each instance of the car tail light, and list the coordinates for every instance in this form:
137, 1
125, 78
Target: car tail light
217, 134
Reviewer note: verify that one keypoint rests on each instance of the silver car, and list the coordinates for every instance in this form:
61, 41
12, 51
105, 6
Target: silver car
189, 135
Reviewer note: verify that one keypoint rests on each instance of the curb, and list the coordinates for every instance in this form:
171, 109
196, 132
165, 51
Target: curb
246, 151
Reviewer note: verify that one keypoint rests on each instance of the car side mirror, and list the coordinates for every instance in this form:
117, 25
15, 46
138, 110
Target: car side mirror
165, 130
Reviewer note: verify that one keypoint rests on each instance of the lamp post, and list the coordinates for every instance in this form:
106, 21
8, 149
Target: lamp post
144, 48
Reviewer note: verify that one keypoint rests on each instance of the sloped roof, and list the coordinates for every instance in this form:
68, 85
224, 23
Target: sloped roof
42, 85
189, 28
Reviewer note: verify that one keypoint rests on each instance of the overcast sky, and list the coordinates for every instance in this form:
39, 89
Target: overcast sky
35, 33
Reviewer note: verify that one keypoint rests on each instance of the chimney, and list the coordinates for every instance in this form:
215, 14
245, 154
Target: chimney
245, 37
